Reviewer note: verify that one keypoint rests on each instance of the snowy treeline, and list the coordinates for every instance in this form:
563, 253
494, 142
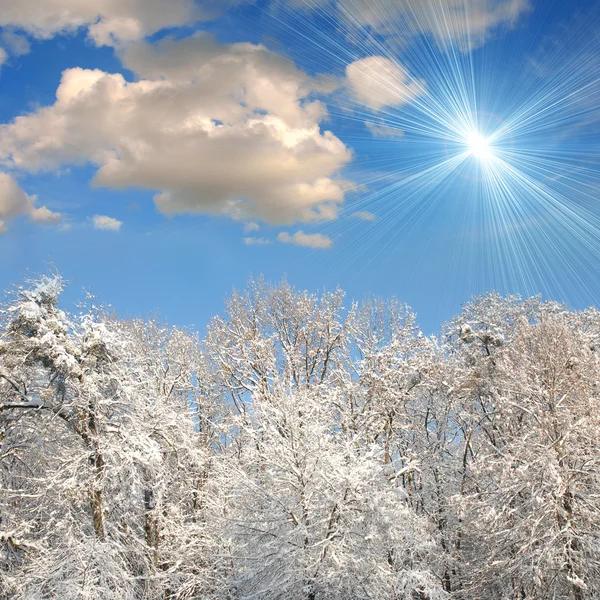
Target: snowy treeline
304, 449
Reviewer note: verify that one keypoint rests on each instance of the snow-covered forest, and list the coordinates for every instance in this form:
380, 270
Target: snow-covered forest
306, 447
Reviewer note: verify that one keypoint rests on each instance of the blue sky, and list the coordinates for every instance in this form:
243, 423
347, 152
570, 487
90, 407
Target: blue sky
160, 153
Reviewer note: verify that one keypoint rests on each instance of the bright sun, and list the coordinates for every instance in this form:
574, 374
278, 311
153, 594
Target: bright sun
479, 146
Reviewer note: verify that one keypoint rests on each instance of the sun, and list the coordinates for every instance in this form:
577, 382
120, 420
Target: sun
479, 146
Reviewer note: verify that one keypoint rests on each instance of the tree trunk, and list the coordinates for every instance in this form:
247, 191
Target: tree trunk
97, 461
151, 526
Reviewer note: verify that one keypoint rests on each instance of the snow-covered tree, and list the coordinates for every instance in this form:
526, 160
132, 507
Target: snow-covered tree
316, 514
535, 502
98, 450
304, 449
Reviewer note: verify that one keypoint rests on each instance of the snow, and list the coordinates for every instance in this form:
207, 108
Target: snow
302, 450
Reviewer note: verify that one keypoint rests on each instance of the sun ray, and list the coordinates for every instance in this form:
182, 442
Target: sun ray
500, 160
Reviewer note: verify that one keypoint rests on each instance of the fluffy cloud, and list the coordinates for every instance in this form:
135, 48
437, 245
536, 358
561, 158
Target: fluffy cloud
310, 240
14, 202
3, 57
221, 129
44, 216
107, 21
107, 223
252, 241
377, 82
15, 43
364, 215
466, 23
380, 130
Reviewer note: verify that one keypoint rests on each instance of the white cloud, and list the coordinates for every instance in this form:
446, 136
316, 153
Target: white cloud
379, 130
107, 21
250, 227
16, 43
377, 82
14, 202
44, 216
107, 223
364, 215
252, 241
3, 57
221, 129
465, 23
310, 240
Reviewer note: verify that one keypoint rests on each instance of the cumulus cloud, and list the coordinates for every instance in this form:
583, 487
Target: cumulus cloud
3, 57
378, 82
16, 43
14, 202
107, 223
380, 130
108, 22
221, 129
465, 23
364, 215
44, 216
252, 241
310, 240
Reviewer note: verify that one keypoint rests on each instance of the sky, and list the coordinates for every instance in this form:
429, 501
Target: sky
159, 153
